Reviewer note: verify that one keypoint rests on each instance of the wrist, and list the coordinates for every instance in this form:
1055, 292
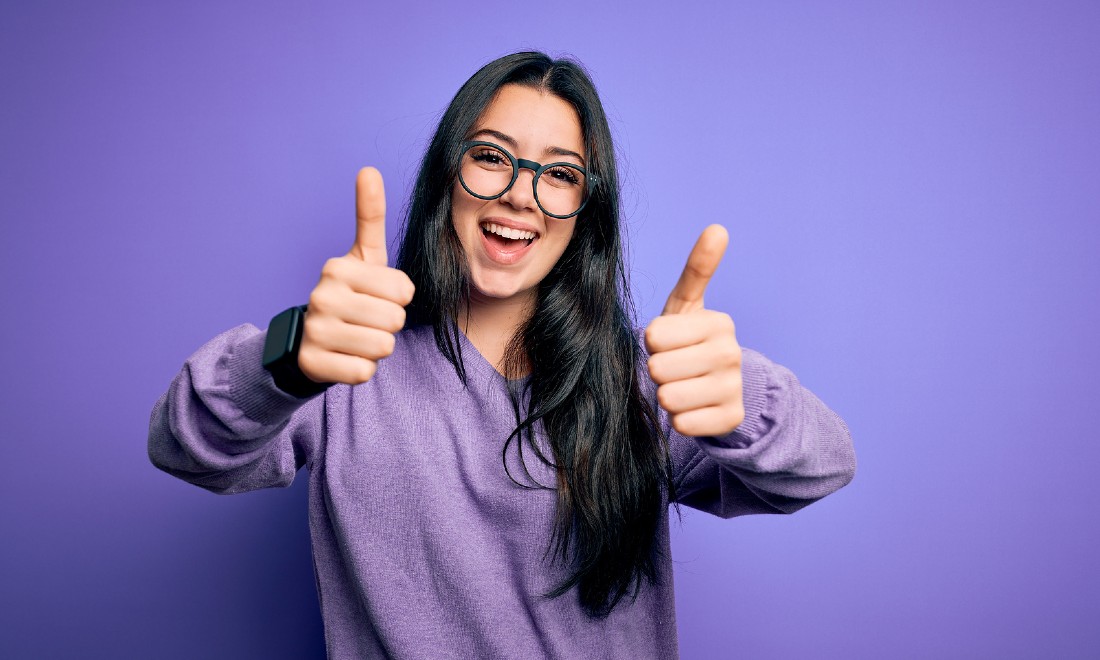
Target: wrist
280, 358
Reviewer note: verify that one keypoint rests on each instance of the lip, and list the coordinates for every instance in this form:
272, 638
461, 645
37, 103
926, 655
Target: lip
511, 224
505, 257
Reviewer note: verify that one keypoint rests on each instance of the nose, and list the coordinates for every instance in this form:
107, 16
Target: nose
521, 196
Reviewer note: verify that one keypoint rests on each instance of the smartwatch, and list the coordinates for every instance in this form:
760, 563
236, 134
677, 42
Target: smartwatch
284, 338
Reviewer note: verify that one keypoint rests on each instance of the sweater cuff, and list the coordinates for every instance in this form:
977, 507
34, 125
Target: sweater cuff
252, 387
757, 396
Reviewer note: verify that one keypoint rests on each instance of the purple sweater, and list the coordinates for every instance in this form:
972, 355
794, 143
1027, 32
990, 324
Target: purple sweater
422, 545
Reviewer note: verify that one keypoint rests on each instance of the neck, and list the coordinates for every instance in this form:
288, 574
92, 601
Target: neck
490, 324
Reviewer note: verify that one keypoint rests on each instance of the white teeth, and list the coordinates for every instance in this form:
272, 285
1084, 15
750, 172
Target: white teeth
506, 232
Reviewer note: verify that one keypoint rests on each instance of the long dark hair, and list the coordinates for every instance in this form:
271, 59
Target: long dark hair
609, 455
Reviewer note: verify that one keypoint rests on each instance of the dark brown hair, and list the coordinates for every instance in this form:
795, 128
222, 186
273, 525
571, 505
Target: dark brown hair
611, 460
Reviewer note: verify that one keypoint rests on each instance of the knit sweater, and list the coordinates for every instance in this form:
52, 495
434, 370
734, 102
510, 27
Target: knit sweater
423, 546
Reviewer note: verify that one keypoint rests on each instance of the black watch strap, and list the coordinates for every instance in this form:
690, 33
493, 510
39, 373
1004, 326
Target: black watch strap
284, 338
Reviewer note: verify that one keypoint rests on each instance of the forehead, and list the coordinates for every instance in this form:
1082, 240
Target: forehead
535, 118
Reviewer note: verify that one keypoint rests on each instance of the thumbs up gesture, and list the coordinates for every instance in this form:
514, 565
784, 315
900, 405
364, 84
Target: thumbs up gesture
694, 357
359, 304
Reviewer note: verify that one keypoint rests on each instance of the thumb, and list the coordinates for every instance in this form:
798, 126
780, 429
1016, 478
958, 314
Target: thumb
370, 217
687, 295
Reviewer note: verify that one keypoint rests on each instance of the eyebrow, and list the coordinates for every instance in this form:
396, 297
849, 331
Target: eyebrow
511, 141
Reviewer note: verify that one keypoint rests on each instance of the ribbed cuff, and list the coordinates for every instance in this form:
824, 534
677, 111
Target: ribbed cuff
251, 386
755, 394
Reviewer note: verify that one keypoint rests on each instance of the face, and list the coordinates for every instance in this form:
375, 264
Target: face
510, 244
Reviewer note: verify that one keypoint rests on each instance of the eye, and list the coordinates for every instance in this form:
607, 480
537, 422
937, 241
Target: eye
564, 176
489, 157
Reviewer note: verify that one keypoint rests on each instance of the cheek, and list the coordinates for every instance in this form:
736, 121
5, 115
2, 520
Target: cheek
463, 214
561, 237
457, 207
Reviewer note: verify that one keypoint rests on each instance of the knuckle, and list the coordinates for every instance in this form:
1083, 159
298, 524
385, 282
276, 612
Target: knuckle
666, 398
308, 365
682, 425
398, 320
383, 344
724, 322
332, 268
653, 333
730, 354
407, 288
313, 334
323, 333
365, 370
305, 356
385, 320
656, 369
320, 302
309, 340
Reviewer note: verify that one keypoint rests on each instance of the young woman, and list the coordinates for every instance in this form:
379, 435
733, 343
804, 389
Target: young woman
492, 446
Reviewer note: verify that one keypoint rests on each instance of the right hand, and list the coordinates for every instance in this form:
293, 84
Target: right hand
360, 301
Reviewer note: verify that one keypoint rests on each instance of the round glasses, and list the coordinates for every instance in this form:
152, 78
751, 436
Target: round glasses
487, 171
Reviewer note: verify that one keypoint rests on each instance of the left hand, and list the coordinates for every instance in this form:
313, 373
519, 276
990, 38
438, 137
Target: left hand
694, 357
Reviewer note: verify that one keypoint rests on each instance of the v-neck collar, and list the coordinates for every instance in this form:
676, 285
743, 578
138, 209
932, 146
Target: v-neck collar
477, 363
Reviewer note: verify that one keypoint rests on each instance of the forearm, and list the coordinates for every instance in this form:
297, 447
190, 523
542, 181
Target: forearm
224, 426
789, 451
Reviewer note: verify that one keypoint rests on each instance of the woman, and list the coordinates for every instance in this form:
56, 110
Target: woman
491, 474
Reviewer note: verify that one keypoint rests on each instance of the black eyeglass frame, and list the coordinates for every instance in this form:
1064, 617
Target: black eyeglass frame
522, 163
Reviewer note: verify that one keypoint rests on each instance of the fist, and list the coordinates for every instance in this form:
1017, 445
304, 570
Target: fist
359, 304
694, 357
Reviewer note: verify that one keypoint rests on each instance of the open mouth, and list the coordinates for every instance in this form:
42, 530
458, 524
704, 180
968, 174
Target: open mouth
506, 238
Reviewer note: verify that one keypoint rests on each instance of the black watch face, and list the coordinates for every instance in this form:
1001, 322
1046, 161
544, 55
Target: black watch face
281, 337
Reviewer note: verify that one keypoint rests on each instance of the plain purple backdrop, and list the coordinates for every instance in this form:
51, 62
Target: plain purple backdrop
913, 195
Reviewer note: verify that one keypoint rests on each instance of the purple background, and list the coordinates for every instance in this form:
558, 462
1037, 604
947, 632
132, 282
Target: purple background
912, 193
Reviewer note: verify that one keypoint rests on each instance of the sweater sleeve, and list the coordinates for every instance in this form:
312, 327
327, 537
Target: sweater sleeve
224, 425
790, 450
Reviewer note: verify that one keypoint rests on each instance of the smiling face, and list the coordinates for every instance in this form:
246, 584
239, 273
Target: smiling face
510, 244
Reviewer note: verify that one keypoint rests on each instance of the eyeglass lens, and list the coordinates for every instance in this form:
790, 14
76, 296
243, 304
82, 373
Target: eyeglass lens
559, 190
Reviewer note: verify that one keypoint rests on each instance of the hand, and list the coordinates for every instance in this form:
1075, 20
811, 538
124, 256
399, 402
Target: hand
360, 302
694, 357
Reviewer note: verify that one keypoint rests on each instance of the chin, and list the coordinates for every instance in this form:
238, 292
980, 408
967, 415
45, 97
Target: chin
499, 288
